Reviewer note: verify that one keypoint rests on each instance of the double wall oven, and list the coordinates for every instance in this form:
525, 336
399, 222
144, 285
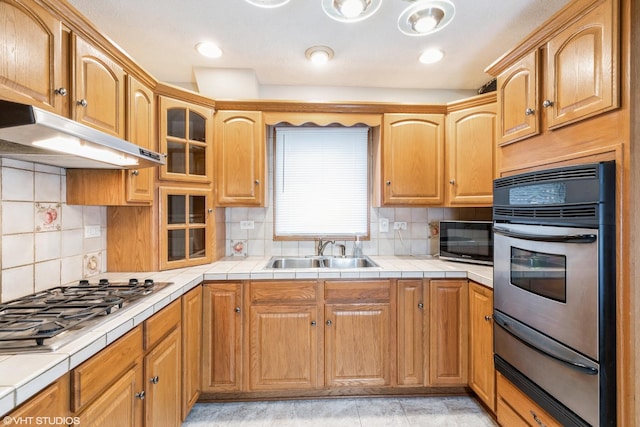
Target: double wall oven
554, 289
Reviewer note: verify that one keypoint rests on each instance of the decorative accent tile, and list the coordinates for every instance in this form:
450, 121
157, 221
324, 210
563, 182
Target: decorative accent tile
239, 248
91, 264
48, 216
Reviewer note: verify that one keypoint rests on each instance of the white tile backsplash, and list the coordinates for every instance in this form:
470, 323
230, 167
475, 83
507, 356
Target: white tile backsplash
17, 184
17, 217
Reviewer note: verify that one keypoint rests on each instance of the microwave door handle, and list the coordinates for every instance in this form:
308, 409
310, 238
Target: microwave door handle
569, 238
546, 347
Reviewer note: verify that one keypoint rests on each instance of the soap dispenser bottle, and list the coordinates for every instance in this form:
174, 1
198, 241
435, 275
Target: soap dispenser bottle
357, 248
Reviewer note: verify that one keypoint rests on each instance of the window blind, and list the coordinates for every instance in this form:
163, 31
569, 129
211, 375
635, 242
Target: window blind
321, 181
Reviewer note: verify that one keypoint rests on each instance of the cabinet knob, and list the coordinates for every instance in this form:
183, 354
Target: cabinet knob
135, 172
257, 181
488, 318
83, 103
388, 182
420, 306
210, 210
154, 380
452, 181
529, 112
329, 323
547, 103
140, 395
237, 310
313, 323
61, 91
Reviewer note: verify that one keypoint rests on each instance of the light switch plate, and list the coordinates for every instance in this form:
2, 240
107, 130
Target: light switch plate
91, 231
247, 225
383, 225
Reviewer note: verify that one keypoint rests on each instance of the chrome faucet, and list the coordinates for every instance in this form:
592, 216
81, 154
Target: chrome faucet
323, 244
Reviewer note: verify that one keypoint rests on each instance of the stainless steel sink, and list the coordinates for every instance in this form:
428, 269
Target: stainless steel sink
283, 262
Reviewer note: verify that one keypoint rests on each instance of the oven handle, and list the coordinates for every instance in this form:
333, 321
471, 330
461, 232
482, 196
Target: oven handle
547, 347
571, 238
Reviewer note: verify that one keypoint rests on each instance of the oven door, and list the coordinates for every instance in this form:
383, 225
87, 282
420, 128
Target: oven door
547, 278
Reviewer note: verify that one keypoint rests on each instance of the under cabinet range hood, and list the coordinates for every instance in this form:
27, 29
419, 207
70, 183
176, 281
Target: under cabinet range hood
36, 135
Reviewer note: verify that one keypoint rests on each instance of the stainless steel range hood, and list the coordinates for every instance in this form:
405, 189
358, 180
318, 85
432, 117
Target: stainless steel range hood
36, 135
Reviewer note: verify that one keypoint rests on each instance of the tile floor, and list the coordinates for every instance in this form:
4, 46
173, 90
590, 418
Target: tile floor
345, 412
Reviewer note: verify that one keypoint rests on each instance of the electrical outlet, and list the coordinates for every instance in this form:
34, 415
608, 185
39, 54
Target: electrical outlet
247, 225
383, 225
91, 231
400, 225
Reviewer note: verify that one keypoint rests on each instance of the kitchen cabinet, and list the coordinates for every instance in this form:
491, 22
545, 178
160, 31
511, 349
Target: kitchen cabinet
222, 337
283, 335
186, 138
481, 369
240, 152
580, 73
191, 348
186, 227
448, 324
357, 343
31, 56
107, 187
52, 402
411, 325
99, 89
516, 409
470, 147
413, 159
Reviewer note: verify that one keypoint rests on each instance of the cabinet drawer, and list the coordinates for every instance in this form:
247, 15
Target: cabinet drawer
515, 408
283, 292
92, 378
357, 291
161, 324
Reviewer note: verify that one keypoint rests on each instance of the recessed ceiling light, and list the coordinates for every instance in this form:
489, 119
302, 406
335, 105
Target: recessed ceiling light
319, 55
426, 17
431, 56
209, 50
268, 3
350, 10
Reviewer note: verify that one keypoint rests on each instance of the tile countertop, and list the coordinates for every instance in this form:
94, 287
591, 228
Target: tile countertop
24, 375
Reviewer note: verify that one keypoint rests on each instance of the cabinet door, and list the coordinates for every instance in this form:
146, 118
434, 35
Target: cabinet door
186, 134
413, 159
51, 402
481, 369
240, 156
222, 332
357, 345
582, 67
283, 347
118, 405
186, 227
448, 320
514, 408
411, 336
518, 100
163, 377
140, 131
31, 69
99, 89
191, 348
471, 138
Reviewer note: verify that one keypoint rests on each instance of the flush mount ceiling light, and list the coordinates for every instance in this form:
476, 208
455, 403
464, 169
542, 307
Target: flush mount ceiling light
431, 56
268, 3
426, 17
209, 50
350, 10
319, 55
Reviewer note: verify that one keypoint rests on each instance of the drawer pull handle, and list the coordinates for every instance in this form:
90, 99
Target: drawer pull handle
537, 420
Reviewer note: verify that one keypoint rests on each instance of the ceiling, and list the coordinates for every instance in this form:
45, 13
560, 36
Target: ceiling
161, 34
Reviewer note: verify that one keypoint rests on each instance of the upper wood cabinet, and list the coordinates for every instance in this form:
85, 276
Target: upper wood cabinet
31, 58
471, 138
186, 138
580, 73
412, 159
99, 89
482, 375
240, 158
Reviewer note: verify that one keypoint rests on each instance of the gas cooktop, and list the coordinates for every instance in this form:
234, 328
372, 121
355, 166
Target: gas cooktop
44, 321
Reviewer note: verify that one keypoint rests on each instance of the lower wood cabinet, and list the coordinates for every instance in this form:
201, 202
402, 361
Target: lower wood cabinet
516, 409
50, 404
481, 368
412, 325
191, 348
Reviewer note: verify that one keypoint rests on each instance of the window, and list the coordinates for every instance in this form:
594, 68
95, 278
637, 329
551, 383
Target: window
321, 182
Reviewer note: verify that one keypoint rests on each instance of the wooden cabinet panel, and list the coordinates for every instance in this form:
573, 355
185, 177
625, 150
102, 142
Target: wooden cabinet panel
514, 408
191, 348
357, 345
163, 377
411, 333
448, 322
31, 56
99, 89
413, 159
357, 291
471, 138
481, 369
161, 324
299, 292
222, 327
283, 347
51, 402
240, 158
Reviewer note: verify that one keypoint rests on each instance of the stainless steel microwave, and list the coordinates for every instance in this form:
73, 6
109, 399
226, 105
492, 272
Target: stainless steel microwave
467, 241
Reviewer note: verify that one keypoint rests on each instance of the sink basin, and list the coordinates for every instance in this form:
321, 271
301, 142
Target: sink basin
283, 262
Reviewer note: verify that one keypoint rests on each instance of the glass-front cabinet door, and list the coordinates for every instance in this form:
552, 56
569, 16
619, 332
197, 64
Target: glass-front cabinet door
186, 227
186, 138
